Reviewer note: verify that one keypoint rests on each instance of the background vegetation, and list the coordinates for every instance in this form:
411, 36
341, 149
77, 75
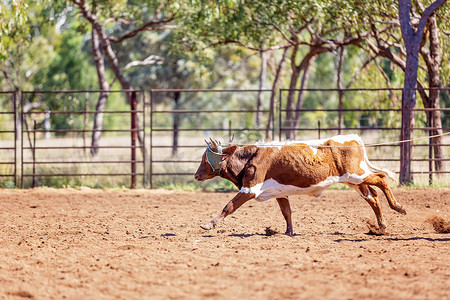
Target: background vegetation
227, 44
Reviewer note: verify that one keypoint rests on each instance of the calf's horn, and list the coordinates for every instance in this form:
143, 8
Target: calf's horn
213, 143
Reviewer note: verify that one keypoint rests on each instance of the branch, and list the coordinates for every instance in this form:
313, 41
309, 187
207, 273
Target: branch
382, 49
383, 73
151, 60
396, 45
283, 34
388, 82
118, 20
423, 95
359, 72
386, 52
9, 78
32, 105
248, 47
427, 13
146, 27
311, 54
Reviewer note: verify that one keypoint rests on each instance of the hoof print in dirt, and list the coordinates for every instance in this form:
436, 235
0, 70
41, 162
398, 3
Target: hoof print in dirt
270, 231
374, 230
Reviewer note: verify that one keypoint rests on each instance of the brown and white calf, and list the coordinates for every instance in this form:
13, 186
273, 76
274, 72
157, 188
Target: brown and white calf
277, 170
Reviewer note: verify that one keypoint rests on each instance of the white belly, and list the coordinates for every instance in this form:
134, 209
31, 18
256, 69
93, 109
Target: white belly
273, 189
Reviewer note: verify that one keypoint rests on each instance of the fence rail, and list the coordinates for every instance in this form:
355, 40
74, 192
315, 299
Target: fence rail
43, 159
158, 142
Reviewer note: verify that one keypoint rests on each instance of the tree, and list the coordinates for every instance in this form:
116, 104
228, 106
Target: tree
251, 25
412, 38
280, 25
126, 18
397, 34
13, 16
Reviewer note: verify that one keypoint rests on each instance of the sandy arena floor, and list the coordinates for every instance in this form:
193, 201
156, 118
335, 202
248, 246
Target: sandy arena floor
147, 244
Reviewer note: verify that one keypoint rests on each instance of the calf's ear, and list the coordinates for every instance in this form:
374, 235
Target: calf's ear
228, 151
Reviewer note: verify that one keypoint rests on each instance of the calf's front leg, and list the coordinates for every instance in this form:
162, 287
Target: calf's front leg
231, 206
286, 211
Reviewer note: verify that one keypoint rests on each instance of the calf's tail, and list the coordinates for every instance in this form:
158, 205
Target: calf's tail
373, 168
388, 172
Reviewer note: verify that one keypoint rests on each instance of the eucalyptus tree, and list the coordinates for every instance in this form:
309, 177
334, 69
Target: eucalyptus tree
26, 50
302, 29
221, 69
14, 38
413, 36
248, 25
115, 22
13, 17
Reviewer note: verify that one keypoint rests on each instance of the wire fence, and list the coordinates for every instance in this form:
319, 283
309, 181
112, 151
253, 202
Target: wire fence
156, 138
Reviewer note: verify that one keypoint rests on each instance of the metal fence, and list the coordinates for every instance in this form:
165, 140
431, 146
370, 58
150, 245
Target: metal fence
8, 143
158, 140
380, 126
177, 135
56, 140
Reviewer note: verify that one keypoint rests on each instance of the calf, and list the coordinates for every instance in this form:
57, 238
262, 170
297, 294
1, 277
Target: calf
273, 170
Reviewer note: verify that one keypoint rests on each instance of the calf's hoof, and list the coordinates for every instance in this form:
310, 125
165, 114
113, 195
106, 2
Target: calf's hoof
401, 210
207, 226
289, 232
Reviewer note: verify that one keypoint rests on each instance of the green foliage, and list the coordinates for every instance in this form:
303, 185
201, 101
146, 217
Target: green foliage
45, 45
8, 184
13, 16
213, 185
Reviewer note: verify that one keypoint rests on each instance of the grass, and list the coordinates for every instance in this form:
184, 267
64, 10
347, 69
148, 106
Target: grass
214, 185
176, 166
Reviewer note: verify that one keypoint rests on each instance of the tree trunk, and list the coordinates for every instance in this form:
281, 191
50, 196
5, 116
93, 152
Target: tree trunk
103, 96
289, 122
176, 123
433, 63
301, 93
412, 39
262, 79
290, 99
340, 91
112, 60
314, 51
408, 104
273, 95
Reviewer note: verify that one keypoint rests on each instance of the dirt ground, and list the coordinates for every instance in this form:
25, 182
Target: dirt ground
147, 244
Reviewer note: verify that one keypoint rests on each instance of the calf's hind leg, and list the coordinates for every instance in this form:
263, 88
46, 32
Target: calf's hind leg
380, 181
286, 211
370, 195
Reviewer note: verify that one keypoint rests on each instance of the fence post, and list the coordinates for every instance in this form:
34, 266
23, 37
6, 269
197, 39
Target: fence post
144, 151
229, 131
134, 133
318, 128
14, 101
20, 96
151, 141
430, 144
33, 184
279, 115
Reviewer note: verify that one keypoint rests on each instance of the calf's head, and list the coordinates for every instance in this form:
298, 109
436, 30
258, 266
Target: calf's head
213, 160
